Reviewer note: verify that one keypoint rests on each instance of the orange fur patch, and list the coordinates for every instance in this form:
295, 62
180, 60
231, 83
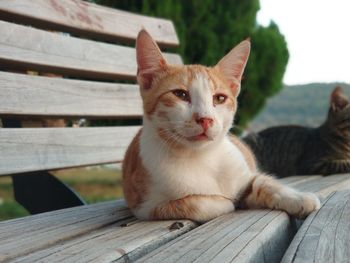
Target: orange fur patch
174, 77
184, 208
135, 177
262, 196
168, 101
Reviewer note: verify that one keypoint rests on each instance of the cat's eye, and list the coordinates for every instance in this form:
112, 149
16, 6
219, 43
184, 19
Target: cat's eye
182, 94
219, 99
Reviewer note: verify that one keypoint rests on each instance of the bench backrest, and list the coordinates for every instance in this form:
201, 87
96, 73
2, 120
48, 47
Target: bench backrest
62, 42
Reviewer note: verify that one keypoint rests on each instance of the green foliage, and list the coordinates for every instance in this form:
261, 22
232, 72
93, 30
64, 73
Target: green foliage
264, 72
209, 29
11, 209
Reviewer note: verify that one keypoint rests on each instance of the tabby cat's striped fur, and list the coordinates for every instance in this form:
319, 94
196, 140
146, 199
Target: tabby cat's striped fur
296, 150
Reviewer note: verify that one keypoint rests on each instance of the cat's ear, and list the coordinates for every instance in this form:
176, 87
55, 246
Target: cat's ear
338, 100
232, 65
149, 59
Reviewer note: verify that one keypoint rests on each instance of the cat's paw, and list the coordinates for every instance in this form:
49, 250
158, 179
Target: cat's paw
302, 204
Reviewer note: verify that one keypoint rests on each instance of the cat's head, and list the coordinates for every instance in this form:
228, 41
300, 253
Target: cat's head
339, 112
190, 105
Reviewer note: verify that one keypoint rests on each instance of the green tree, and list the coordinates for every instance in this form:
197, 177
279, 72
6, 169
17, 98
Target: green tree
209, 29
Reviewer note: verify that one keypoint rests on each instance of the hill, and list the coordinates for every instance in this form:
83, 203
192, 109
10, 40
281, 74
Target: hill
305, 105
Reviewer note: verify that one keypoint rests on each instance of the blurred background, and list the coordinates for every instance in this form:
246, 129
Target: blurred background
299, 54
300, 51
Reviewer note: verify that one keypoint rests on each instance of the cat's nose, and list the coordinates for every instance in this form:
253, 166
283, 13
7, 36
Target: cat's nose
205, 122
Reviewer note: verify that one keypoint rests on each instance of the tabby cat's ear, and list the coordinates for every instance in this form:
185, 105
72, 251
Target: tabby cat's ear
232, 65
149, 59
338, 99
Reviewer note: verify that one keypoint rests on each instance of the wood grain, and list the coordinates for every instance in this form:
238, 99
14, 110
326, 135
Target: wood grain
103, 232
324, 237
33, 149
87, 19
299, 179
96, 234
325, 185
112, 243
243, 236
23, 47
43, 96
36, 232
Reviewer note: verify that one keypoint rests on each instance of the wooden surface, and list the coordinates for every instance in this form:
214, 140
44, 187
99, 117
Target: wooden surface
299, 179
31, 149
99, 233
107, 232
38, 231
87, 19
326, 185
113, 243
243, 236
324, 236
23, 47
43, 96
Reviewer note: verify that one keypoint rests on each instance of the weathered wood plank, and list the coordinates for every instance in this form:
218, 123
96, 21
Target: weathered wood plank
112, 243
29, 48
33, 149
243, 236
326, 184
237, 239
297, 179
324, 236
43, 96
87, 19
25, 235
110, 236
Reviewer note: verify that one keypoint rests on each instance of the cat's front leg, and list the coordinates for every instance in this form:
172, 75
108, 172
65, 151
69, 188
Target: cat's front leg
200, 208
267, 192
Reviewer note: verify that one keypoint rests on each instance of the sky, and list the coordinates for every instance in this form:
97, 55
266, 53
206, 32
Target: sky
318, 37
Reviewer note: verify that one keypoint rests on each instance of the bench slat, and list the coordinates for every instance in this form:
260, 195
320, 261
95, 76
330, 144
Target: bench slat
263, 241
251, 234
324, 236
109, 223
326, 184
298, 179
29, 48
44, 96
43, 230
88, 19
33, 149
118, 244
239, 237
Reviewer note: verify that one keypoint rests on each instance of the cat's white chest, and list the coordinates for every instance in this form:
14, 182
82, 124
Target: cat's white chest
178, 177
215, 172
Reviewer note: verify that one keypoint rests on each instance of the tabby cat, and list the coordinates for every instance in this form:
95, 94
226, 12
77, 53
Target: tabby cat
296, 150
183, 164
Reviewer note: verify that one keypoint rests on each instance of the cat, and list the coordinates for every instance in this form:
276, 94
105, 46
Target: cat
296, 150
183, 164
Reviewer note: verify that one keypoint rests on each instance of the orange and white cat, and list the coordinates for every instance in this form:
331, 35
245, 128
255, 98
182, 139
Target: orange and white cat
183, 164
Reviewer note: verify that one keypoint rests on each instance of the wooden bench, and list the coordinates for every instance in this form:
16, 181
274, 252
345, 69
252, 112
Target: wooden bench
324, 236
107, 232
